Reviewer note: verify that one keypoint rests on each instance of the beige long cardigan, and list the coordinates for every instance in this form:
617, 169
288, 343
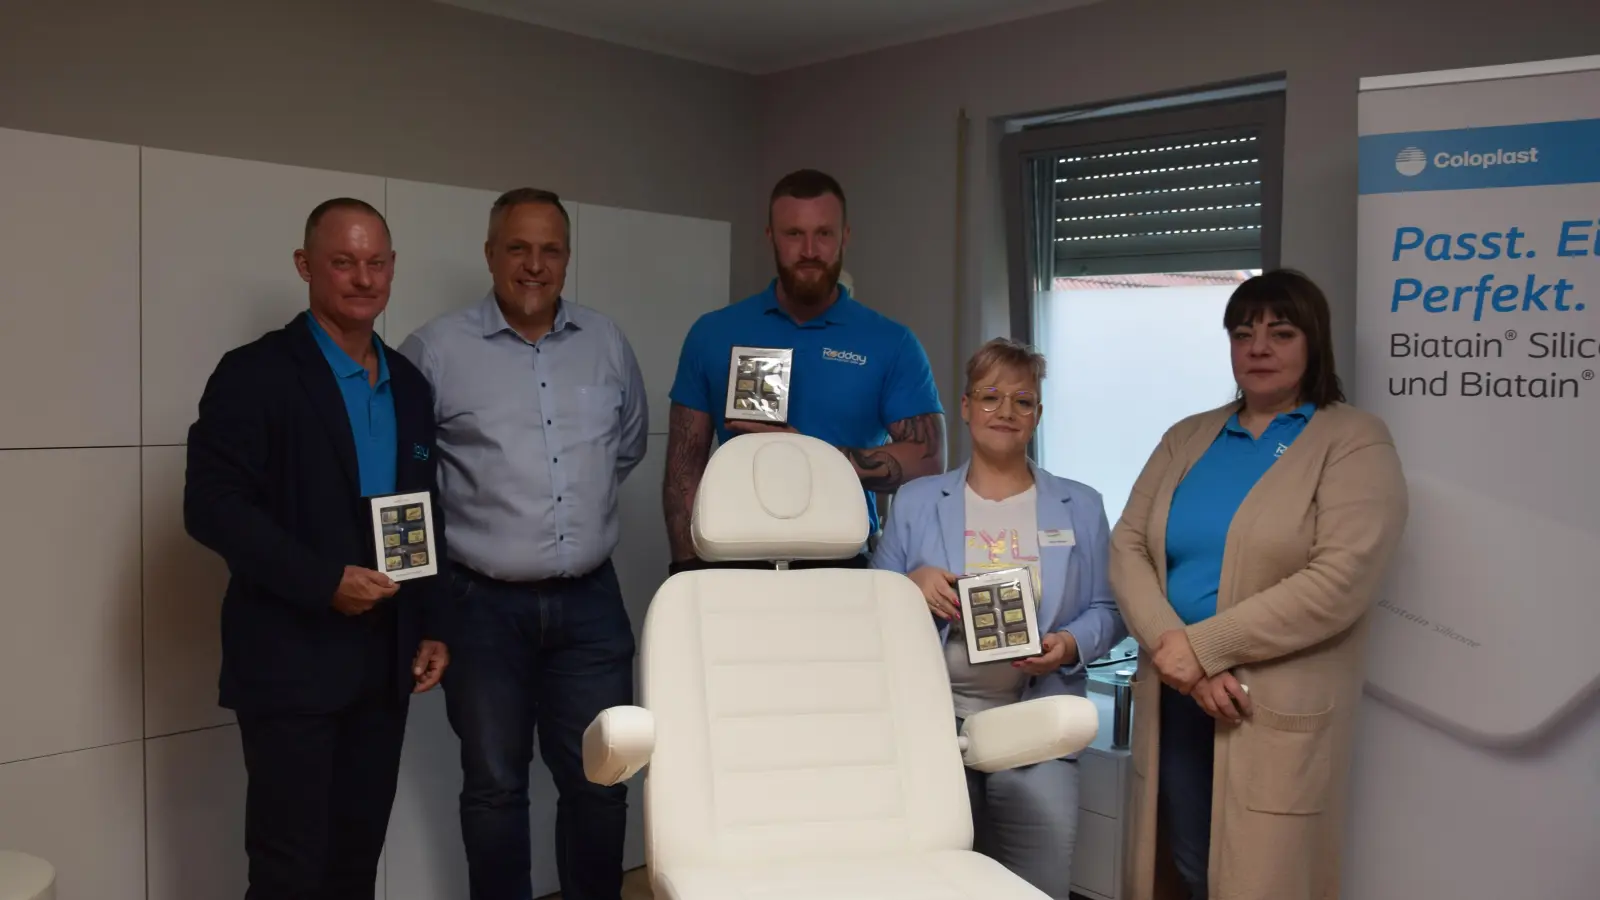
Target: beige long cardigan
1304, 554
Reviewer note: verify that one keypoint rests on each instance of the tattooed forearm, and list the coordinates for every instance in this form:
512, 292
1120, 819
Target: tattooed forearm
916, 448
689, 434
879, 470
927, 430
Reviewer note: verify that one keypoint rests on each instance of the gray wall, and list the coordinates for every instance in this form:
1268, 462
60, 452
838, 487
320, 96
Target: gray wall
400, 88
885, 124
419, 90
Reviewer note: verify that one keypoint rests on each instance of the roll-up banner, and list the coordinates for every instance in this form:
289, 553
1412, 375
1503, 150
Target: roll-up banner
1477, 768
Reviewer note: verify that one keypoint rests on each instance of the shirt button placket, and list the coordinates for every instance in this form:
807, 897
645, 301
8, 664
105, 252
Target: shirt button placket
555, 461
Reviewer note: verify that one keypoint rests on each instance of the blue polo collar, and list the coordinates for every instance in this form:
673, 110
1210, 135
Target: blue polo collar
341, 362
842, 312
494, 321
1301, 414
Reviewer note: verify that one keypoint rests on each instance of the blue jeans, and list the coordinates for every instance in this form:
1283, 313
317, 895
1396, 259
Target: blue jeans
1183, 790
545, 658
1026, 819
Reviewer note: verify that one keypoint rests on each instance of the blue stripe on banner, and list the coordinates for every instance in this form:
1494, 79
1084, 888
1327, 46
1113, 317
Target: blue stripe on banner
1468, 159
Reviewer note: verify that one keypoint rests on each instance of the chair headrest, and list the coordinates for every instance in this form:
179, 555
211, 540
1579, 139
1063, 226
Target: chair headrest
778, 497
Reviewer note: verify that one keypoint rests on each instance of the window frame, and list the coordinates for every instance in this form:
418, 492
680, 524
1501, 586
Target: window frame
1020, 204
1170, 118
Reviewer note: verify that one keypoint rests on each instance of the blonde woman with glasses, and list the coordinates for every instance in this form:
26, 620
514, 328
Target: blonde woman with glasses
1001, 511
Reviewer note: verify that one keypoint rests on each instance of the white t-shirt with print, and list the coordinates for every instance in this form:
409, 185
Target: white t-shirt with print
1001, 534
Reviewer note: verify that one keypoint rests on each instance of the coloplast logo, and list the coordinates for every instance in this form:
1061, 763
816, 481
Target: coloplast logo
1501, 157
1411, 161
844, 356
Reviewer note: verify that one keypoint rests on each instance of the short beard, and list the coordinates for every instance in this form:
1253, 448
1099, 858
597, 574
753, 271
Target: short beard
809, 293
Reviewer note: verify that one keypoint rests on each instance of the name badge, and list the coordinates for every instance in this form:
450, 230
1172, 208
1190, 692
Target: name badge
1057, 537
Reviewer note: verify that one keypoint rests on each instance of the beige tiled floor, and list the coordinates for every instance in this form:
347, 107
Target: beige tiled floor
636, 886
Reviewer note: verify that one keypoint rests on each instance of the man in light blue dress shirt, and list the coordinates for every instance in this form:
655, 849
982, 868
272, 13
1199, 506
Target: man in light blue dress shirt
541, 415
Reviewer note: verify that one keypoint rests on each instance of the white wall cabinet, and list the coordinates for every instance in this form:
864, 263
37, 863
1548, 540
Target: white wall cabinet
1103, 776
69, 292
115, 762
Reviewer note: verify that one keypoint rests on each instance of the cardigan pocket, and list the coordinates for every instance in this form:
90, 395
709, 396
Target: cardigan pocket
1288, 761
1141, 745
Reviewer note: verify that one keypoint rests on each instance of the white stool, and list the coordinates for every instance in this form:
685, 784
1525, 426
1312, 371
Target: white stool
24, 877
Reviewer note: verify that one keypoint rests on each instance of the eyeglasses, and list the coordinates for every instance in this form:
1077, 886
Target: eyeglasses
1023, 403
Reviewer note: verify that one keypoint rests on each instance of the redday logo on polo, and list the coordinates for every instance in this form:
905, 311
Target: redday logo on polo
846, 356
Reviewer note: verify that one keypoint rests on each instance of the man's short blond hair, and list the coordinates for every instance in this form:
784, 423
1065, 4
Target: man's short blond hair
1005, 355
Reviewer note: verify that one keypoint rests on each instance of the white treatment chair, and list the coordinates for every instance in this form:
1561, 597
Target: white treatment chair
798, 725
26, 877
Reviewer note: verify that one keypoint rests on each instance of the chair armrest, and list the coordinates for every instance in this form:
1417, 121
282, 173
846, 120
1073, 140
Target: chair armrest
617, 744
1032, 731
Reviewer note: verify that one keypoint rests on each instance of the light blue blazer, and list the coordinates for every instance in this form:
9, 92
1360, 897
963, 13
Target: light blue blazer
928, 527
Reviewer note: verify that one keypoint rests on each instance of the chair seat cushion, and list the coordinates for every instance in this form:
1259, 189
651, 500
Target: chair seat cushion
940, 875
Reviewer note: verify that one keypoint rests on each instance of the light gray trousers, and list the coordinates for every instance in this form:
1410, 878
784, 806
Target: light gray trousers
1027, 820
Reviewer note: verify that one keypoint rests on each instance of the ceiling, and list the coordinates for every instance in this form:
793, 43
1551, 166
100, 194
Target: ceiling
764, 36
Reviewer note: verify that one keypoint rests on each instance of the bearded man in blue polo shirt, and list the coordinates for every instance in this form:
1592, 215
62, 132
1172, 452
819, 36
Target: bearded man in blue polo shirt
859, 380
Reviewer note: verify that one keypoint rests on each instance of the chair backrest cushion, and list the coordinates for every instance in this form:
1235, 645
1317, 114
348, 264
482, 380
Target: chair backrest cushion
778, 496
798, 713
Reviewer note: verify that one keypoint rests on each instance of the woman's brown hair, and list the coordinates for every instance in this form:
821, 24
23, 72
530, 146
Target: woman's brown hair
1289, 296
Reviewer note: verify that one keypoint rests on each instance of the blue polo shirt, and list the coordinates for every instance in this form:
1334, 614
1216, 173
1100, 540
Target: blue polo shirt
1204, 504
855, 370
370, 409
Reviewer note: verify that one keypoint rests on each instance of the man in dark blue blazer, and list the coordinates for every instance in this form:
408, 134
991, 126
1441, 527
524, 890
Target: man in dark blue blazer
321, 651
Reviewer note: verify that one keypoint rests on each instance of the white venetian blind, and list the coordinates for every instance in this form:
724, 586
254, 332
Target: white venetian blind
1170, 204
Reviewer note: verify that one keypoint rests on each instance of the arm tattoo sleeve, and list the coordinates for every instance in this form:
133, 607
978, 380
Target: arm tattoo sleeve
927, 430
689, 434
916, 448
880, 471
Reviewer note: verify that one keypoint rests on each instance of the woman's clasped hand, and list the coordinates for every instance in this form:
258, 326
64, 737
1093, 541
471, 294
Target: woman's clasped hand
1220, 695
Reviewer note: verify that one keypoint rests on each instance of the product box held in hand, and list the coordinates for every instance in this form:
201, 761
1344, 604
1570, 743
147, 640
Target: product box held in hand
402, 534
999, 616
758, 384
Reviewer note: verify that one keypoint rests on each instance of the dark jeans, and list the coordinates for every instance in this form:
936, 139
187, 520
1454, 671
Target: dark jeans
1183, 793
543, 657
320, 789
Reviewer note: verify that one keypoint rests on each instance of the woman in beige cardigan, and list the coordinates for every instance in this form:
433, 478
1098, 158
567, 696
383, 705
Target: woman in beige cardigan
1244, 564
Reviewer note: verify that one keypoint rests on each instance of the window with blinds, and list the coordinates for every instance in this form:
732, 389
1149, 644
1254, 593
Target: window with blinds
1154, 191
1170, 204
1128, 225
